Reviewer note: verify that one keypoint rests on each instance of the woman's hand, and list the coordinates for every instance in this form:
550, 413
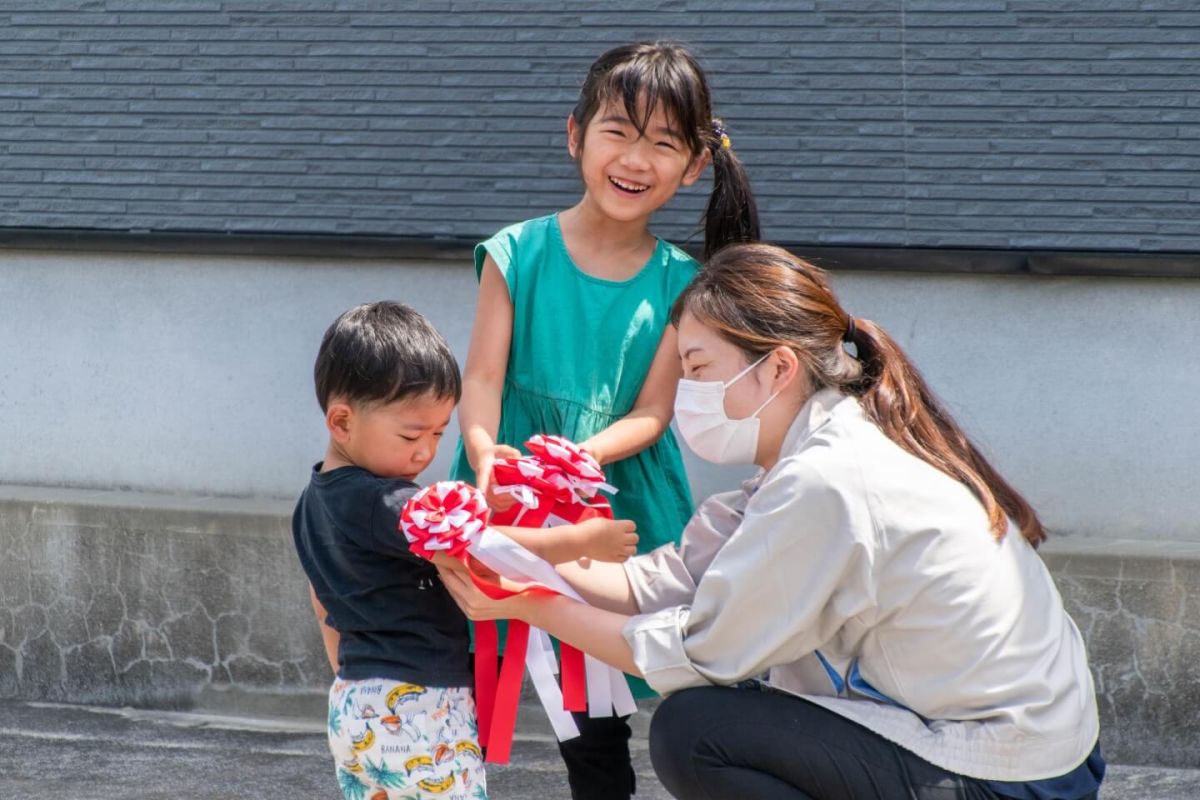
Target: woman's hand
477, 605
592, 630
607, 539
484, 476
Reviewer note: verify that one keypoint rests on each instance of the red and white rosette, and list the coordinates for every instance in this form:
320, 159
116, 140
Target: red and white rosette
443, 519
537, 488
577, 473
451, 517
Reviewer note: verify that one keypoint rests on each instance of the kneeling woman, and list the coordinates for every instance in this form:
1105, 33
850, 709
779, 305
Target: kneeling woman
867, 616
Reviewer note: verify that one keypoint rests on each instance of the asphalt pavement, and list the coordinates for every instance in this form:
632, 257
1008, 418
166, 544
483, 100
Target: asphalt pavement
89, 753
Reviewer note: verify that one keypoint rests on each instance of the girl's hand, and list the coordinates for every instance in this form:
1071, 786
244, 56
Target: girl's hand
607, 539
590, 448
483, 476
477, 605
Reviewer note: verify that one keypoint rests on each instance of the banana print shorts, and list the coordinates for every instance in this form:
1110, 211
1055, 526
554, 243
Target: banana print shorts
400, 741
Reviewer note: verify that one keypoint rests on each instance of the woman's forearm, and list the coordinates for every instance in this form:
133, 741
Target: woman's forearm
602, 584
595, 631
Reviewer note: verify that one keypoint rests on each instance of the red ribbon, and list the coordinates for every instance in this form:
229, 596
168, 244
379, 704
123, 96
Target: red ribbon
487, 648
442, 519
559, 479
564, 480
508, 696
574, 678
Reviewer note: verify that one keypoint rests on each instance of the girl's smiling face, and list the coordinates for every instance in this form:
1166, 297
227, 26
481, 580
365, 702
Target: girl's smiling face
631, 173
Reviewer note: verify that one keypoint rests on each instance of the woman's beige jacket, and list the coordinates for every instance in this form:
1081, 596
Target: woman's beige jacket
863, 579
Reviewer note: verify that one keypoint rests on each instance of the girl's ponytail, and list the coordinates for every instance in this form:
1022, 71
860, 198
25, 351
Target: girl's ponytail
731, 215
896, 397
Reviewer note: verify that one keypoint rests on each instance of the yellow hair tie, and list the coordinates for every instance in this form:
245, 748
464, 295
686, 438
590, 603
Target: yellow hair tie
722, 137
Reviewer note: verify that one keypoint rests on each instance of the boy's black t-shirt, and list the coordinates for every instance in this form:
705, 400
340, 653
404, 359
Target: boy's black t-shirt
395, 618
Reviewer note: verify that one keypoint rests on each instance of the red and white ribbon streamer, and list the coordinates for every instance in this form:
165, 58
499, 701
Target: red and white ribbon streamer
560, 483
451, 517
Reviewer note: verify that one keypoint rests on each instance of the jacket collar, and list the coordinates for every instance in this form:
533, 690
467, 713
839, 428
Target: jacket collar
815, 412
812, 415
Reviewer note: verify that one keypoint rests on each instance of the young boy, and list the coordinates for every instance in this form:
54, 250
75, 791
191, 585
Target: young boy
401, 715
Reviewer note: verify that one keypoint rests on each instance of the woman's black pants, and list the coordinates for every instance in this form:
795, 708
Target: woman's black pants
717, 743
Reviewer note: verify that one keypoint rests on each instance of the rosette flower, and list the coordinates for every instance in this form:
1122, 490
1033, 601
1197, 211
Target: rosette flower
577, 471
567, 456
537, 487
444, 518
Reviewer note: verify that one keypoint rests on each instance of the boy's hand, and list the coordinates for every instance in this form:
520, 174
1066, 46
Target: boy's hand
607, 539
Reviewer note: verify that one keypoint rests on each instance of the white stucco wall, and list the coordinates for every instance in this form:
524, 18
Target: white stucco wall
193, 374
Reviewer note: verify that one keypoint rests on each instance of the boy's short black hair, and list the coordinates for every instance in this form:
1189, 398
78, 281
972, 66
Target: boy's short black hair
383, 352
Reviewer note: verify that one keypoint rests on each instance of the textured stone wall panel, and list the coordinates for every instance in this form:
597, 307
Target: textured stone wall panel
1140, 617
129, 606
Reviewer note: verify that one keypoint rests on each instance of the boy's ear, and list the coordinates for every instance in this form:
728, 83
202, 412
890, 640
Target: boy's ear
338, 419
572, 136
696, 168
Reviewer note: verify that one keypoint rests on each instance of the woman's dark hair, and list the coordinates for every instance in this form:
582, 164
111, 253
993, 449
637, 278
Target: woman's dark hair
759, 297
648, 75
384, 352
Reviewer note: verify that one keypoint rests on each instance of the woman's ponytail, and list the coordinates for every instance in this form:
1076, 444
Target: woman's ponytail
896, 397
760, 297
732, 214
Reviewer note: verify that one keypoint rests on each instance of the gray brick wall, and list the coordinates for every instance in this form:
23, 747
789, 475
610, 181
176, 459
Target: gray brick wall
955, 123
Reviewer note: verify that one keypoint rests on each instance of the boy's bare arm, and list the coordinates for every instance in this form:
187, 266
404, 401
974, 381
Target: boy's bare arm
598, 539
329, 636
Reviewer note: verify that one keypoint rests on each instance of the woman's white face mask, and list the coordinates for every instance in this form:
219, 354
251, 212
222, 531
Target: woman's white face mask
708, 430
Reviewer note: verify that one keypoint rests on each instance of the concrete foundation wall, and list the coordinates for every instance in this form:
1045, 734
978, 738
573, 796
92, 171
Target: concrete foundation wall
119, 599
1138, 608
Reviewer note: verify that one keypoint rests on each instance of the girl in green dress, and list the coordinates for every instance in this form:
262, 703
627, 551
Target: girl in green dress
571, 333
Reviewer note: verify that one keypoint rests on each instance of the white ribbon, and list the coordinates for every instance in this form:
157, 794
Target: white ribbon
543, 666
608, 692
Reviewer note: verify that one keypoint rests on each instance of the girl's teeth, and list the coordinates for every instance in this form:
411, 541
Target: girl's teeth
629, 187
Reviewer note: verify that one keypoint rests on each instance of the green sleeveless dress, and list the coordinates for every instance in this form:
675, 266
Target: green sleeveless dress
581, 348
